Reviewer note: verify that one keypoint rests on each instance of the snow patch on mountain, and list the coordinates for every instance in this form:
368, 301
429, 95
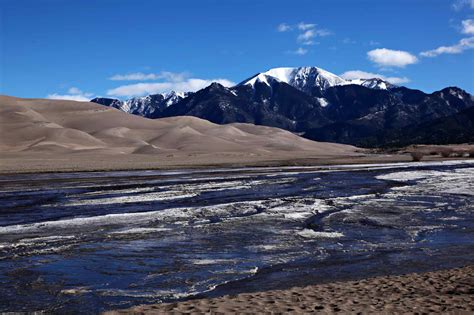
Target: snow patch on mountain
322, 101
374, 83
173, 97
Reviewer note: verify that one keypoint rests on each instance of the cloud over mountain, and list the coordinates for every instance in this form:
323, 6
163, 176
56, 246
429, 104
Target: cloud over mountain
461, 46
391, 58
139, 76
73, 94
187, 85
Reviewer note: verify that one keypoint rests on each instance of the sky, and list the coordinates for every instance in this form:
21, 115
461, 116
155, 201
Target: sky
78, 50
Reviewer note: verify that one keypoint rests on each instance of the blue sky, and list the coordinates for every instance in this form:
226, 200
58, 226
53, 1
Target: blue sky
117, 48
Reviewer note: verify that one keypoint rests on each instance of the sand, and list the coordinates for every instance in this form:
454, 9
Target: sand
446, 291
40, 129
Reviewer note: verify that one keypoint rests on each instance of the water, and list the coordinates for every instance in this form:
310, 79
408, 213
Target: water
88, 242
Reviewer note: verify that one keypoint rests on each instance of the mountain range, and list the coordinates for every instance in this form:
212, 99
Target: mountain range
322, 106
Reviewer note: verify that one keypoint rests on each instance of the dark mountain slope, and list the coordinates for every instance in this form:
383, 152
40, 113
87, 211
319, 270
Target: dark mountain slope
367, 117
276, 105
457, 128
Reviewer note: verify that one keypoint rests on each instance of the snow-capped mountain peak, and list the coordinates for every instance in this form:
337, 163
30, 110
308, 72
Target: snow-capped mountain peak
261, 78
302, 78
305, 78
311, 79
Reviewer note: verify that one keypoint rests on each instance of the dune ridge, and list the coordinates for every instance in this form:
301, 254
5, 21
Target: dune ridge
65, 127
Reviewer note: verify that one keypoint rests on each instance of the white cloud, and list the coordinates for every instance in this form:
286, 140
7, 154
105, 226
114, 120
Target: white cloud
71, 97
306, 32
458, 48
188, 85
306, 37
462, 45
305, 26
323, 32
460, 4
391, 58
74, 94
283, 27
358, 74
139, 76
300, 51
468, 26
74, 90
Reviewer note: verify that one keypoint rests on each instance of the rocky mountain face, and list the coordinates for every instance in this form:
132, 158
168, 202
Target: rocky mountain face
277, 105
320, 106
149, 106
365, 116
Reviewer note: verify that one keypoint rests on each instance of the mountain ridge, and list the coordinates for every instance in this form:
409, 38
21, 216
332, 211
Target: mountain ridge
312, 102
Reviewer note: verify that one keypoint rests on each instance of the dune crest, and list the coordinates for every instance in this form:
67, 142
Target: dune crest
37, 133
28, 124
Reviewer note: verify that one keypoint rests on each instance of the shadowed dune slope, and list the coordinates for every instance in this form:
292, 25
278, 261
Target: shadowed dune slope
42, 125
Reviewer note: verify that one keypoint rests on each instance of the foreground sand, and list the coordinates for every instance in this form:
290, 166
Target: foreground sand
442, 291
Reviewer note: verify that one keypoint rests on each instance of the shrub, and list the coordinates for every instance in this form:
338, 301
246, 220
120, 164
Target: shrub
416, 156
445, 152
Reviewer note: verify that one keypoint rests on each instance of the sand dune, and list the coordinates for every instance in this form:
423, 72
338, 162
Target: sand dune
29, 123
30, 127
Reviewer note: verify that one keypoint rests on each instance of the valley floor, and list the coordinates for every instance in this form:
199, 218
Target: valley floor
89, 242
26, 162
442, 291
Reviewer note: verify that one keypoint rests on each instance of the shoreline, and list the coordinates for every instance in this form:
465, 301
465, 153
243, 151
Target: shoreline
448, 290
11, 164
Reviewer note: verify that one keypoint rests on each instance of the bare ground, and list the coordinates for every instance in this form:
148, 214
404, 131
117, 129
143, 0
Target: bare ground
445, 291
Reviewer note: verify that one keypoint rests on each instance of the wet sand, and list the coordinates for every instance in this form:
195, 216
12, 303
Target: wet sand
442, 291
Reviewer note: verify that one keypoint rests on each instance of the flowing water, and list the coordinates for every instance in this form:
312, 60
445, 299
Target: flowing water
88, 242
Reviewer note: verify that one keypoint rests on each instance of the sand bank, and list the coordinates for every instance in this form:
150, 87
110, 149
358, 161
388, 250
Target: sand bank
433, 292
